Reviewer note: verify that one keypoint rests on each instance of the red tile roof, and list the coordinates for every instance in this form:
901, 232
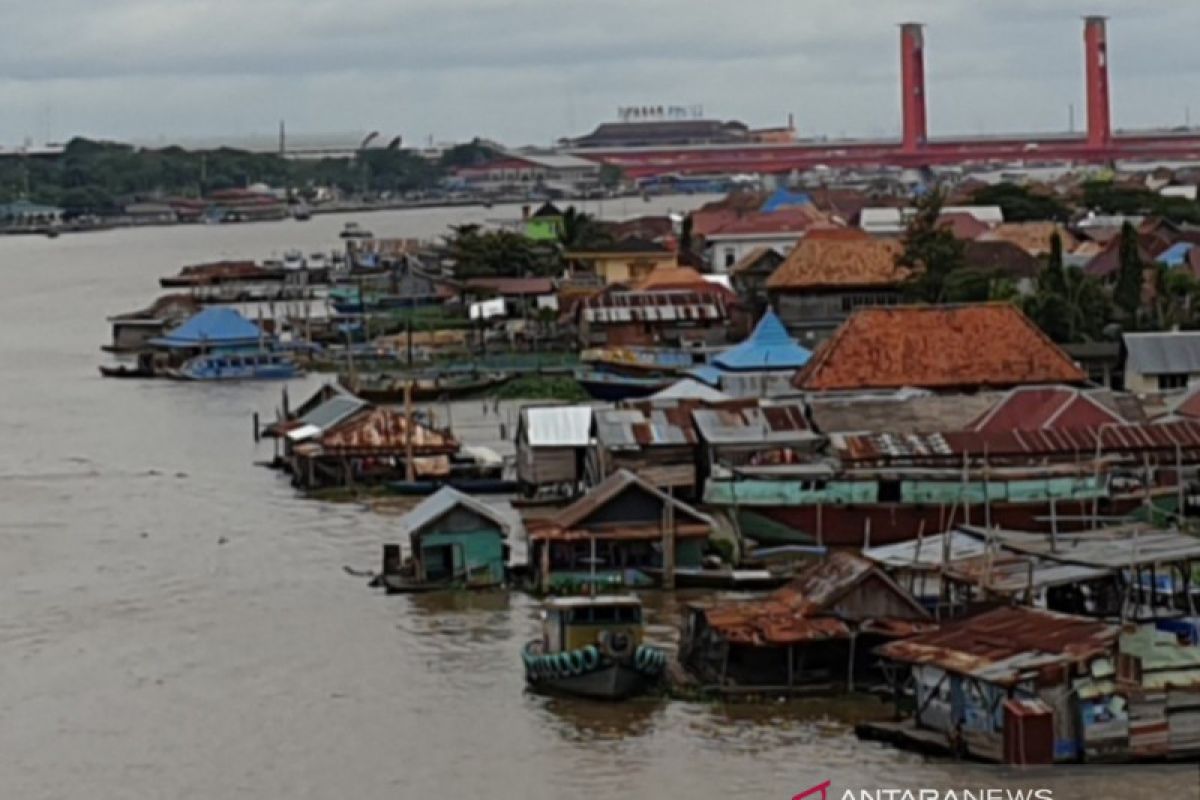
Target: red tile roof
937, 347
795, 220
511, 286
1031, 408
964, 226
829, 259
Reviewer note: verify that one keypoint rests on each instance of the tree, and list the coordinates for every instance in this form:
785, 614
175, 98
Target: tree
1020, 204
1127, 294
930, 250
611, 176
1052, 277
581, 230
485, 254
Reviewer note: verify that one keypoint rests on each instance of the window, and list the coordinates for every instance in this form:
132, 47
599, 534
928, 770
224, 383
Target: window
1175, 380
730, 256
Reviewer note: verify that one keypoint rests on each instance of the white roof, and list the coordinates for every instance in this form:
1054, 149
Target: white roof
881, 220
690, 389
557, 426
720, 280
303, 432
555, 161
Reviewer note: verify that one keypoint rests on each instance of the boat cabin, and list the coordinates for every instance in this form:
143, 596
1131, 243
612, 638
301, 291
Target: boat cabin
571, 623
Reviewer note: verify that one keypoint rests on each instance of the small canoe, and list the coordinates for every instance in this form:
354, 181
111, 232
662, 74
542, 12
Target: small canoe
125, 371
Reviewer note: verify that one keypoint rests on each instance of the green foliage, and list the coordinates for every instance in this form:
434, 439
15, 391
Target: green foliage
1053, 278
1078, 313
483, 254
469, 154
542, 387
580, 231
111, 174
1021, 205
1127, 294
1105, 197
932, 252
611, 176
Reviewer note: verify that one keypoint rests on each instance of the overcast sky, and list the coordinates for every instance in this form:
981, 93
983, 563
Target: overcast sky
530, 71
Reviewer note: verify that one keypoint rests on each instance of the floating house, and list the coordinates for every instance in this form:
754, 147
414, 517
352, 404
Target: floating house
816, 633
964, 673
657, 441
371, 446
132, 332
749, 434
622, 526
552, 444
761, 366
454, 541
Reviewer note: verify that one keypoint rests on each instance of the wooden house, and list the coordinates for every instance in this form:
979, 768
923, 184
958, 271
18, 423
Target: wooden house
552, 443
621, 527
656, 440
817, 632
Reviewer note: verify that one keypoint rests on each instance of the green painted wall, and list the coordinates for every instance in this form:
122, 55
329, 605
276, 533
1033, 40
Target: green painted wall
543, 229
472, 552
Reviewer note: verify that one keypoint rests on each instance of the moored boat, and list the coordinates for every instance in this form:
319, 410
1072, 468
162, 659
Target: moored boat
388, 389
610, 386
238, 367
592, 647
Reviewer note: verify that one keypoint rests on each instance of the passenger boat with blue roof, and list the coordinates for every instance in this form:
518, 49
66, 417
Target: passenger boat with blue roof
239, 366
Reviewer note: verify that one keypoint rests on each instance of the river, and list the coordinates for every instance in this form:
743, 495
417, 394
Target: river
176, 623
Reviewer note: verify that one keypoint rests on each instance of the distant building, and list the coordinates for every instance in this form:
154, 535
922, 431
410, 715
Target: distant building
892, 221
545, 224
524, 172
625, 261
1161, 362
1003, 259
943, 348
829, 275
777, 229
661, 133
25, 214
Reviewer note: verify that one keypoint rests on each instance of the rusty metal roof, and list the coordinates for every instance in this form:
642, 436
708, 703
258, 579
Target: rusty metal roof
380, 431
804, 609
951, 446
635, 428
754, 425
572, 521
1007, 645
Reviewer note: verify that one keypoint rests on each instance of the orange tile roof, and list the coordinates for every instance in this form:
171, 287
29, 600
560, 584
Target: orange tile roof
671, 278
1032, 237
827, 259
937, 347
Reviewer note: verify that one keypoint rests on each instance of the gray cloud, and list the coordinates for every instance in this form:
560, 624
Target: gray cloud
532, 70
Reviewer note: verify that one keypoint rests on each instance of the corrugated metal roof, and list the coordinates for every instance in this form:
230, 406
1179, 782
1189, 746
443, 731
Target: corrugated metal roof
928, 552
333, 411
1006, 645
1040, 407
1167, 353
951, 446
766, 425
803, 610
1113, 548
557, 426
630, 428
446, 499
378, 431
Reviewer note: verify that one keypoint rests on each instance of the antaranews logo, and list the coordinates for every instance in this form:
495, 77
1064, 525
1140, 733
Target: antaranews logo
823, 791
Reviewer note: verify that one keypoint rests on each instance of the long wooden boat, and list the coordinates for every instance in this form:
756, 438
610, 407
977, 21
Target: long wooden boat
592, 647
612, 387
126, 371
388, 389
639, 361
858, 513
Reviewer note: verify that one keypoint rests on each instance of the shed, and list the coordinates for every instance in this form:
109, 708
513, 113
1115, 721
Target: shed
658, 442
454, 537
552, 442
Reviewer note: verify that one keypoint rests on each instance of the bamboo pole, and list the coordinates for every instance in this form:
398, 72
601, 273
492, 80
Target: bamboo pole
668, 579
410, 472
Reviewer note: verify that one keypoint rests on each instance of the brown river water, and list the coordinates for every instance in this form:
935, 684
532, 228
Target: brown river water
176, 623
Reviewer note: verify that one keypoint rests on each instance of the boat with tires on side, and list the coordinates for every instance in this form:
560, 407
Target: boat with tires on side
593, 647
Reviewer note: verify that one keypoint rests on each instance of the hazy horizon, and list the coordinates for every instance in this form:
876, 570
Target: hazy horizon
531, 71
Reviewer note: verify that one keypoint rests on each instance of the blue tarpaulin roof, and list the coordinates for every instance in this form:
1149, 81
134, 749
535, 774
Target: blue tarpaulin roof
1176, 254
769, 347
706, 374
212, 326
784, 198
